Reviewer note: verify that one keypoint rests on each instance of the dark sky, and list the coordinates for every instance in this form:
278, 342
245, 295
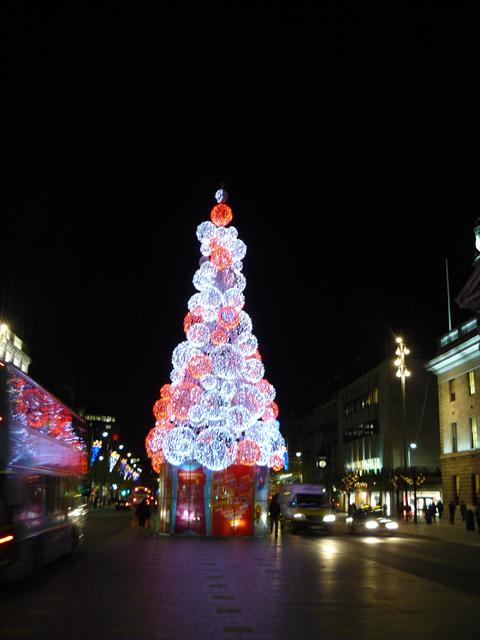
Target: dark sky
348, 142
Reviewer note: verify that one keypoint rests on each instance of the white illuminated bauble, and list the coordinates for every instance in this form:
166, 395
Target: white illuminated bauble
254, 370
228, 390
234, 298
251, 398
227, 361
206, 231
178, 445
247, 343
211, 298
221, 196
209, 382
209, 314
177, 376
195, 302
260, 435
239, 250
241, 281
197, 414
238, 419
216, 448
244, 326
198, 335
205, 276
183, 353
237, 266
227, 237
267, 389
278, 443
214, 406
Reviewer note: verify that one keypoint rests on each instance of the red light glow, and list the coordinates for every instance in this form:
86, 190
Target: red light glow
6, 539
221, 215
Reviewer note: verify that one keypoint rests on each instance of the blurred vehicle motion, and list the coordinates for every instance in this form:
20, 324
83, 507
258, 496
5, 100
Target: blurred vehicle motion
306, 507
43, 462
123, 503
140, 494
369, 519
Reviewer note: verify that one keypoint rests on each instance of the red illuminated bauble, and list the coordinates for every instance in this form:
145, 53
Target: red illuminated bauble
221, 258
248, 452
255, 355
276, 462
221, 215
183, 397
161, 408
218, 336
192, 317
228, 317
157, 461
199, 365
165, 391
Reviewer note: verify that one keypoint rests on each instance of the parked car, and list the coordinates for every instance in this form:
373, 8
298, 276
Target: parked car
369, 519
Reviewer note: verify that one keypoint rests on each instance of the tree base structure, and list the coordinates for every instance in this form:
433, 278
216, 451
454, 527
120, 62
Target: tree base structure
196, 501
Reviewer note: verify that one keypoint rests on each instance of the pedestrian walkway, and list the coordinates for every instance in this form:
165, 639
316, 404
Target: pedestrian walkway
442, 530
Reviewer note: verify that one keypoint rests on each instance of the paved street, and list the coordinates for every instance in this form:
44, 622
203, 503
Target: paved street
130, 584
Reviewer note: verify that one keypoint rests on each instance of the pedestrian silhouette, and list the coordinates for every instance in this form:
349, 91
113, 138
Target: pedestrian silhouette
463, 509
451, 511
274, 511
440, 509
143, 514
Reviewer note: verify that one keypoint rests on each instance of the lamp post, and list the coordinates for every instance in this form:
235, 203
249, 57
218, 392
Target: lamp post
412, 447
402, 373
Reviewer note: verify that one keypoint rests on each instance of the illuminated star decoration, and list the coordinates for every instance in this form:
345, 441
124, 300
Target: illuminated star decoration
219, 409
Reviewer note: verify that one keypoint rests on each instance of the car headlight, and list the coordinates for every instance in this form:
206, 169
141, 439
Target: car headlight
371, 524
329, 518
299, 516
392, 525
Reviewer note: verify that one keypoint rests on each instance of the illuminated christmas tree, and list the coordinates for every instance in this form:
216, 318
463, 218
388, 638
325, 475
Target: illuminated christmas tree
219, 409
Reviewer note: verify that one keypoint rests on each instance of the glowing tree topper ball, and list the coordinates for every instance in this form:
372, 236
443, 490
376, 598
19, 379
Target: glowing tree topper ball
219, 409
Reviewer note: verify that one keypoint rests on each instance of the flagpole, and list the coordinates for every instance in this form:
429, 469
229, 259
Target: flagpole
448, 296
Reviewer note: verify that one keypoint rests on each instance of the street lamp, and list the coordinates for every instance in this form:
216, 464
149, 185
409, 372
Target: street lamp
413, 445
402, 373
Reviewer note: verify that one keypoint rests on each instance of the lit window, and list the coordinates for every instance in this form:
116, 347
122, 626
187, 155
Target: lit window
471, 382
473, 432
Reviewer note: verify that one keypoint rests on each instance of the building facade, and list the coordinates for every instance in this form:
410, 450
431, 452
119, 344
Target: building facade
12, 349
365, 434
457, 367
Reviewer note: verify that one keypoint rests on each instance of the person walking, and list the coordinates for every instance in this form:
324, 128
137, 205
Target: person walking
143, 514
440, 509
274, 511
463, 509
451, 511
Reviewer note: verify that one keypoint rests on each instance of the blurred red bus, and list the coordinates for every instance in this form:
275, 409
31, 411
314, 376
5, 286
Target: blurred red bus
43, 466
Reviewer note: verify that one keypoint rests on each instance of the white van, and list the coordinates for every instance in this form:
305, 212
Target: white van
306, 507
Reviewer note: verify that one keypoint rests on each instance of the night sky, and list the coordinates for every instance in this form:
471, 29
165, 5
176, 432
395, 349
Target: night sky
348, 144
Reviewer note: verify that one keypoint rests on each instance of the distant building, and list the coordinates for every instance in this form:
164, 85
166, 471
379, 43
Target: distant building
457, 367
12, 349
